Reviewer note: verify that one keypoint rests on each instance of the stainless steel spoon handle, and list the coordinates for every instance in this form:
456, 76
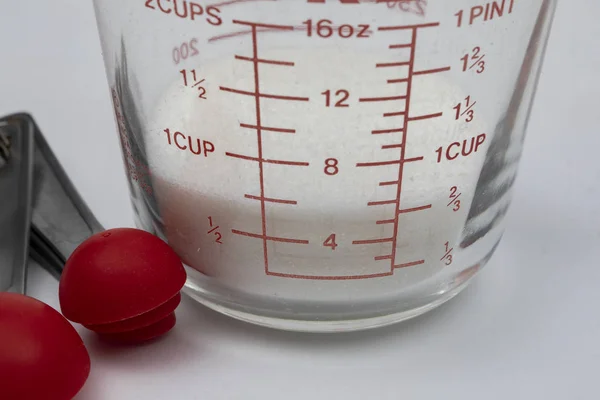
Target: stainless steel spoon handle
16, 177
60, 219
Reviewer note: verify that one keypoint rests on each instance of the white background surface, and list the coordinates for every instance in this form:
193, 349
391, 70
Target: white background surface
528, 328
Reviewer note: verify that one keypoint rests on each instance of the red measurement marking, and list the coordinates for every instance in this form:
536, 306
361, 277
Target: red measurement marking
373, 241
330, 242
432, 71
242, 157
261, 172
392, 64
380, 203
263, 25
256, 60
265, 95
265, 61
197, 83
448, 254
422, 117
492, 11
400, 46
383, 131
330, 278
325, 28
341, 1
411, 68
406, 160
379, 258
394, 114
378, 163
410, 264
268, 128
185, 50
230, 2
266, 160
456, 197
270, 200
281, 162
477, 59
249, 32
234, 34
414, 209
479, 62
342, 95
390, 98
457, 149
388, 183
266, 238
385, 221
362, 32
217, 233
195, 10
401, 80
417, 7
391, 146
470, 113
401, 27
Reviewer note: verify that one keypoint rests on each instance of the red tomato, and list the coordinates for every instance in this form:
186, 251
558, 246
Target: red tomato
41, 354
117, 275
143, 334
141, 321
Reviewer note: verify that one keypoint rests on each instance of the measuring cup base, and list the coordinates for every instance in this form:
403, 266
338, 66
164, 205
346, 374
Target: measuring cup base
331, 323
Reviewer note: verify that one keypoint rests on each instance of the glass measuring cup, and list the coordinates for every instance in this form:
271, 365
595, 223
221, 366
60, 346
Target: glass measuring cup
323, 165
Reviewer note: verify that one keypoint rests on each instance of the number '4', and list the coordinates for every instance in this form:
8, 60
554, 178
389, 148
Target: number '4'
330, 242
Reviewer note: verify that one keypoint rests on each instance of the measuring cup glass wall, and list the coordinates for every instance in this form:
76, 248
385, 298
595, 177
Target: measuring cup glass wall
323, 164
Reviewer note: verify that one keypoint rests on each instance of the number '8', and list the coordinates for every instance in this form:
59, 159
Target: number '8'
331, 166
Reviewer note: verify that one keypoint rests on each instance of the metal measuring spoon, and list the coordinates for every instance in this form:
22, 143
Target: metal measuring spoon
41, 213
16, 177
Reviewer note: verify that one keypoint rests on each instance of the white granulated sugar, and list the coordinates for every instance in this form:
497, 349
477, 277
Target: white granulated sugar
191, 188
